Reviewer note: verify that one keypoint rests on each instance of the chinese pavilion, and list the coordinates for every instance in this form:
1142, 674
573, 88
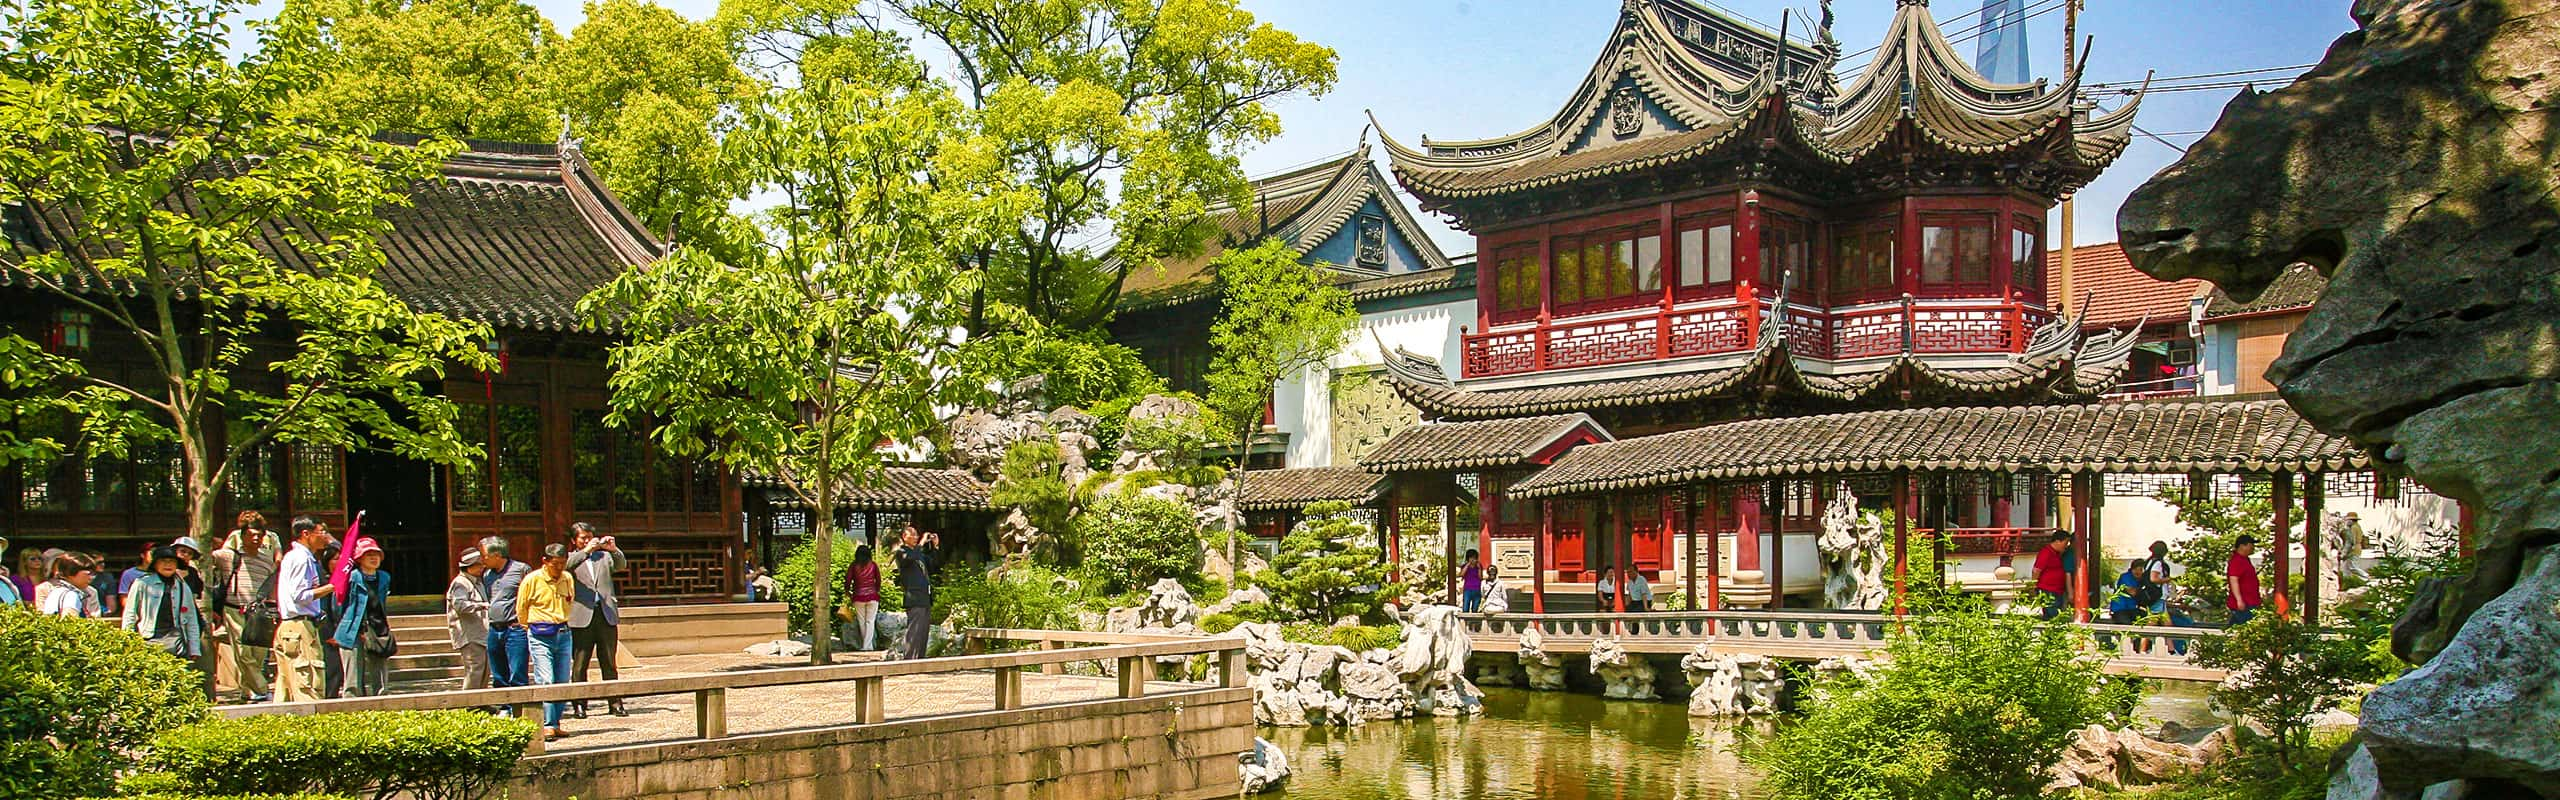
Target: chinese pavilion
1713, 231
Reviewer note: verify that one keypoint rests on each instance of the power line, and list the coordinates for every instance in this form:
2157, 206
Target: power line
2156, 137
2176, 78
2042, 8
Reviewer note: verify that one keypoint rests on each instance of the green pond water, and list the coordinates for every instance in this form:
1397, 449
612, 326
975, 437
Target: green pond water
1556, 745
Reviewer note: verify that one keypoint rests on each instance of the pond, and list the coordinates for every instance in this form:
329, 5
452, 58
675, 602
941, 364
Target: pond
1562, 746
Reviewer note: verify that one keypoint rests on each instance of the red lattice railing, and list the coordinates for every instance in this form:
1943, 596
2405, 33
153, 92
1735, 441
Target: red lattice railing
1729, 325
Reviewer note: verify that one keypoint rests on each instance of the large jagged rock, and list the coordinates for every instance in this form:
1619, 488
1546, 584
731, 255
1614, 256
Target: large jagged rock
1169, 606
1723, 685
2098, 758
1299, 684
1262, 768
2413, 165
1432, 662
1623, 675
1544, 671
1853, 557
1155, 412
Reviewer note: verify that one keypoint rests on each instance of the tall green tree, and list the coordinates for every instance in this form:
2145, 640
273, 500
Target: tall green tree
116, 114
1119, 116
836, 328
1277, 318
641, 86
466, 68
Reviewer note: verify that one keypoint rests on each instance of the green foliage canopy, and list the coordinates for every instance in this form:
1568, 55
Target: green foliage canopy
461, 68
1968, 704
1326, 569
223, 332
1131, 540
2284, 672
78, 699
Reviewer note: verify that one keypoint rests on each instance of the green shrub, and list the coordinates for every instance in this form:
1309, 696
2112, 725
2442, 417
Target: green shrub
1325, 569
1220, 622
1357, 638
798, 588
1968, 704
1132, 540
182, 796
1029, 479
2284, 672
431, 755
78, 698
2218, 521
1022, 596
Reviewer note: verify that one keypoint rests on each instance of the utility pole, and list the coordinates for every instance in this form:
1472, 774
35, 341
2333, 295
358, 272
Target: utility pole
2061, 284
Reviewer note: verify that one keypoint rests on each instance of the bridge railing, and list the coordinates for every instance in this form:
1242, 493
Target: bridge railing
2151, 644
1133, 654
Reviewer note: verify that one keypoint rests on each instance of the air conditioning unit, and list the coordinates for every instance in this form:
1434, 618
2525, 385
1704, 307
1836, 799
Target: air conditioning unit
2182, 354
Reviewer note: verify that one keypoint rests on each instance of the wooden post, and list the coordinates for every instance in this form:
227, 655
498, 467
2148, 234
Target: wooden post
1008, 688
2001, 510
2079, 583
1133, 676
1487, 510
1538, 556
1449, 558
531, 711
1689, 553
1231, 668
1777, 516
1901, 541
2465, 521
1618, 533
869, 705
2282, 498
711, 713
1053, 667
1715, 548
2314, 498
1941, 520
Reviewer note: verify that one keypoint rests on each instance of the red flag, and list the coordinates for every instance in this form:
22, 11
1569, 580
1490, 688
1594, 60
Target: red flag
346, 561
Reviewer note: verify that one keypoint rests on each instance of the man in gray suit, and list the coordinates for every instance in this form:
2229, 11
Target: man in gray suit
595, 615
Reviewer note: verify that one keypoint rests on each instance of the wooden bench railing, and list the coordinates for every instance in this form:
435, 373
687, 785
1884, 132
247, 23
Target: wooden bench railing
1132, 653
1816, 631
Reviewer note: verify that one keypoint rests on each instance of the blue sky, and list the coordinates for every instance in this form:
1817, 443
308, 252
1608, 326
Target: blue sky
1477, 68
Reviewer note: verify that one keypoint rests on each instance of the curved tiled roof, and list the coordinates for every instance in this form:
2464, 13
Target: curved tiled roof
899, 489
1291, 489
512, 235
2176, 436
1916, 82
1303, 207
1441, 446
2118, 294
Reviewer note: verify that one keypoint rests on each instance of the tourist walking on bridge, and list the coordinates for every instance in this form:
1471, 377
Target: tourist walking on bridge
2241, 575
506, 642
862, 584
363, 633
595, 619
466, 620
917, 555
542, 603
241, 583
1639, 592
302, 594
2053, 573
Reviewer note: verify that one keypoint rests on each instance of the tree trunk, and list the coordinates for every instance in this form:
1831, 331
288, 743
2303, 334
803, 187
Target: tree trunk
822, 574
204, 496
1244, 455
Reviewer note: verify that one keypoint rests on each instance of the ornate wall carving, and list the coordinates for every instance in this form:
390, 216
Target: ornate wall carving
1365, 412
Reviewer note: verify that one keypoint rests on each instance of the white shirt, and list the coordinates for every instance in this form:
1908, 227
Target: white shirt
296, 579
1639, 590
67, 600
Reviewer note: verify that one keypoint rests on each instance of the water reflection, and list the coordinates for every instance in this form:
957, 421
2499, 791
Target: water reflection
1527, 745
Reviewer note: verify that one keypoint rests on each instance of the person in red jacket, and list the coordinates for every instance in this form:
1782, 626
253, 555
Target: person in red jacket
2241, 576
862, 585
2053, 573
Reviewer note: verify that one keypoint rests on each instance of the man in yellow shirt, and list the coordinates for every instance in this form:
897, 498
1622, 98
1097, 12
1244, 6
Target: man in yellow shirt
542, 604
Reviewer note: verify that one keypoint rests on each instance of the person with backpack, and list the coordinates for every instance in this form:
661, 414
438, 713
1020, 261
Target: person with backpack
240, 585
2156, 585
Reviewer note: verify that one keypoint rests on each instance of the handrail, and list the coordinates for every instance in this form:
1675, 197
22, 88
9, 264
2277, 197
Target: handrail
1132, 651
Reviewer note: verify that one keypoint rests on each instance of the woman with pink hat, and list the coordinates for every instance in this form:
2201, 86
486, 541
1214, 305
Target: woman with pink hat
364, 630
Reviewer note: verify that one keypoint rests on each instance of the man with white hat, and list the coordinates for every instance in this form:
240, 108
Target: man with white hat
466, 619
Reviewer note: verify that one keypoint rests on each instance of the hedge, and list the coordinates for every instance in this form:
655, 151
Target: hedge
433, 755
77, 698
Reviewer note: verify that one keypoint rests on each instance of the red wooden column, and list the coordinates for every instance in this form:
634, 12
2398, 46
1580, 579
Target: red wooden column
1487, 510
2282, 497
2004, 487
1746, 529
1394, 529
1689, 544
1538, 556
1820, 491
2080, 517
2465, 521
1777, 543
1715, 548
2314, 498
1901, 540
1622, 532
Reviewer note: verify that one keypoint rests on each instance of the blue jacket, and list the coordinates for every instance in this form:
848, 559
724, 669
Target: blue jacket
2123, 598
363, 595
915, 574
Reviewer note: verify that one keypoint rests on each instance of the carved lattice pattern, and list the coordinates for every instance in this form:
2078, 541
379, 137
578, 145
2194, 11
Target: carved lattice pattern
676, 567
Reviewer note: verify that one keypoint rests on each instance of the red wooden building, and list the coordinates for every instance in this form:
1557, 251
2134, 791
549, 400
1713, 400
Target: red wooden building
1713, 228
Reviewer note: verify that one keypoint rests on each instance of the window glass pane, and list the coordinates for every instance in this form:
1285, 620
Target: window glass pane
1649, 263
630, 469
1973, 254
1720, 254
519, 458
1937, 254
666, 483
317, 481
590, 461
105, 489
1693, 257
48, 483
1568, 273
1532, 279
706, 487
160, 482
1595, 269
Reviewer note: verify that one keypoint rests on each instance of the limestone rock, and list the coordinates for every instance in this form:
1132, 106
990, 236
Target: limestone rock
1543, 670
2148, 761
1168, 606
2412, 165
1432, 662
1263, 768
2089, 761
1623, 675
1853, 554
979, 438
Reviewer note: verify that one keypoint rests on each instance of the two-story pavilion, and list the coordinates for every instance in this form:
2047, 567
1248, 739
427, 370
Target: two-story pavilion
1712, 228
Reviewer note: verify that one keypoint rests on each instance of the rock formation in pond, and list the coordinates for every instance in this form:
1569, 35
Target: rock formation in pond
1722, 685
1853, 557
2414, 166
1432, 662
1299, 684
1263, 768
1543, 670
2102, 759
1623, 675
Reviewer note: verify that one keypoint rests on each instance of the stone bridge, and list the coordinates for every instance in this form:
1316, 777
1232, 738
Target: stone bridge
1802, 636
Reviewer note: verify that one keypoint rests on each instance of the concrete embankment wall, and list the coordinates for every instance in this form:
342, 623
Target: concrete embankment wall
1178, 746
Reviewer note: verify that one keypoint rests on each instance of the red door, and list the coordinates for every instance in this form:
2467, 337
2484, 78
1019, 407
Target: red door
1645, 550
1565, 552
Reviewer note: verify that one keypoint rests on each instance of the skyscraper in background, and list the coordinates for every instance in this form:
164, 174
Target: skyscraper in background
2001, 53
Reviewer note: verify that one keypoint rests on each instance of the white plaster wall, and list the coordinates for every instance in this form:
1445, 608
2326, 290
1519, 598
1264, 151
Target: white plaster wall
2131, 524
1302, 407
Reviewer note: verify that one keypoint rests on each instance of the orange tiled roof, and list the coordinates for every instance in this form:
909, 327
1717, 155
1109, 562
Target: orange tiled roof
2120, 295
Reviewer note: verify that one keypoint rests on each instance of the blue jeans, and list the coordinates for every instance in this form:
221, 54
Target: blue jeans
547, 660
2053, 602
506, 657
2241, 616
1474, 598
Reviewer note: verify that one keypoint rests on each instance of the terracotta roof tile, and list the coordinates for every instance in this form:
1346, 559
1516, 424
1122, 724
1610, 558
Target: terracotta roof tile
2297, 288
900, 489
2174, 436
2119, 295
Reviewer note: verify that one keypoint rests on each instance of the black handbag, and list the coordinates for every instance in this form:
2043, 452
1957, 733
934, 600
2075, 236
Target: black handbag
375, 636
258, 621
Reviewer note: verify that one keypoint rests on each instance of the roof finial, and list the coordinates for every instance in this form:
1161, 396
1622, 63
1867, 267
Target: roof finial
1820, 85
568, 143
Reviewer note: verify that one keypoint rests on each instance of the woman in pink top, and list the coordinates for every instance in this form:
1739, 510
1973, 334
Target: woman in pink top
863, 583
